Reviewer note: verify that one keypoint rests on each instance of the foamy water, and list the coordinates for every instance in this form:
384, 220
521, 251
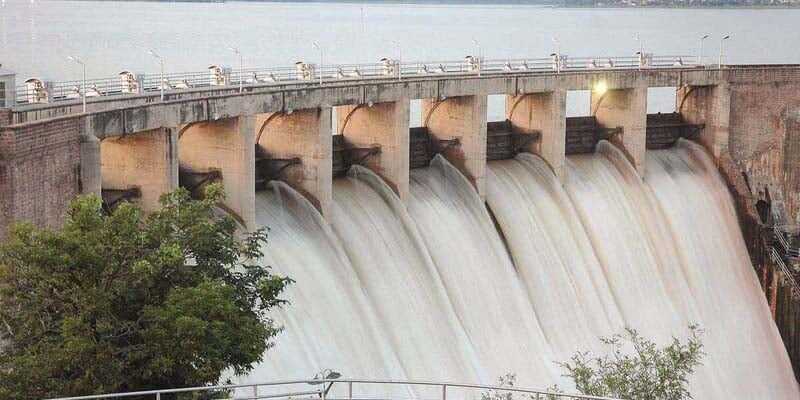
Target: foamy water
447, 287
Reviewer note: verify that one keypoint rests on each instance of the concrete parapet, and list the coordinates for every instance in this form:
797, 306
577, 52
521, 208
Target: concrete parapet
145, 160
305, 134
385, 125
462, 118
709, 105
546, 114
226, 146
626, 109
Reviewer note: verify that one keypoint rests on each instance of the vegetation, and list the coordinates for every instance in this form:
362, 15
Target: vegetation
118, 302
634, 369
637, 369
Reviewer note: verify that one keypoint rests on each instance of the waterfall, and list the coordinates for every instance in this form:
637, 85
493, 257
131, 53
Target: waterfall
480, 279
445, 286
400, 279
326, 296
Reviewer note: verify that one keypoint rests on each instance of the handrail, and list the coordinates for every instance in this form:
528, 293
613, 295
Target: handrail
322, 392
786, 273
787, 249
36, 91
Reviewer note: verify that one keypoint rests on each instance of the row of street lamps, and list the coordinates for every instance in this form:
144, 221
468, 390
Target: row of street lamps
399, 59
700, 50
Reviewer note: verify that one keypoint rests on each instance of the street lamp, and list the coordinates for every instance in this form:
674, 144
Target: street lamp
558, 54
480, 56
161, 61
83, 90
700, 52
399, 60
720, 49
241, 68
641, 51
316, 46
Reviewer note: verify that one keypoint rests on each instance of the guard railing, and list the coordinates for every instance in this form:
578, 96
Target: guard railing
127, 83
786, 273
348, 389
780, 236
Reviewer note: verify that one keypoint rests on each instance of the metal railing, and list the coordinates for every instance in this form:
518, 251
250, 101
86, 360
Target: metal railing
793, 252
323, 389
786, 273
36, 91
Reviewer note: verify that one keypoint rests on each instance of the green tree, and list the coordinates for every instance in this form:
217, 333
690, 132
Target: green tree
118, 301
638, 369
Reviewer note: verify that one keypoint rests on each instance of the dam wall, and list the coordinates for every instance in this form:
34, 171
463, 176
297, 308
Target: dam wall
49, 151
136, 147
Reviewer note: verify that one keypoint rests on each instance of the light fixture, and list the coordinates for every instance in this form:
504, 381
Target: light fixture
600, 87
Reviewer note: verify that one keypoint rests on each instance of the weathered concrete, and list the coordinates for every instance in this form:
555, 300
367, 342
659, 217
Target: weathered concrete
146, 160
91, 178
545, 113
305, 134
626, 109
764, 139
227, 146
462, 118
385, 125
39, 172
762, 136
711, 106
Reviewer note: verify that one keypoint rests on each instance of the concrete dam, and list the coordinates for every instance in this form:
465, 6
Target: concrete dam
465, 249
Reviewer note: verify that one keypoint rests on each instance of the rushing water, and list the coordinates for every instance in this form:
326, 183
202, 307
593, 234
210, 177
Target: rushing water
448, 287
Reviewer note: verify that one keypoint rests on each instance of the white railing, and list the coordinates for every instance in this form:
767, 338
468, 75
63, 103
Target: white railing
129, 83
347, 389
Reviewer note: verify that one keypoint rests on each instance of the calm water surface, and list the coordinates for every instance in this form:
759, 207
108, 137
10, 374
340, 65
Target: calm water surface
36, 37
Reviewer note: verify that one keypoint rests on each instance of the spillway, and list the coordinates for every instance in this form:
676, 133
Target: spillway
448, 287
325, 297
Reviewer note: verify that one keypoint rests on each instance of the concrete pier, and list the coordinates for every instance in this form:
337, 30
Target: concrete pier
626, 109
544, 113
145, 160
709, 105
462, 118
227, 146
385, 125
91, 180
305, 134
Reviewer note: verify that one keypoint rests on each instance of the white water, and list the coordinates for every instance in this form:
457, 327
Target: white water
430, 291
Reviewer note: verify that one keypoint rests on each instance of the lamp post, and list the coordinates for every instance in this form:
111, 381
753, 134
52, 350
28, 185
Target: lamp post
558, 54
480, 56
83, 89
161, 81
720, 48
700, 52
241, 68
399, 60
316, 46
641, 51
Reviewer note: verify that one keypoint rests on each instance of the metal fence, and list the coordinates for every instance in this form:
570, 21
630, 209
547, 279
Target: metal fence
34, 91
348, 389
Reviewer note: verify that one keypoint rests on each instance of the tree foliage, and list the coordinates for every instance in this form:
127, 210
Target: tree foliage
634, 369
118, 301
638, 369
